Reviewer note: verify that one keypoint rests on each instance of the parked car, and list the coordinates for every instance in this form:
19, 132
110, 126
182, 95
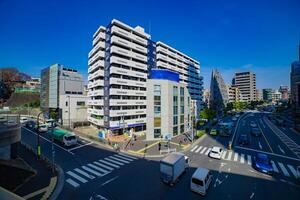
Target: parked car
253, 124
262, 163
243, 139
201, 180
216, 152
23, 120
43, 128
214, 132
255, 131
172, 167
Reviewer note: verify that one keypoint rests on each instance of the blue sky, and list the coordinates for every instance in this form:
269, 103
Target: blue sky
261, 36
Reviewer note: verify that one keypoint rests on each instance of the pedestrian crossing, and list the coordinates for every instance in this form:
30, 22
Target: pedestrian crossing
278, 167
99, 168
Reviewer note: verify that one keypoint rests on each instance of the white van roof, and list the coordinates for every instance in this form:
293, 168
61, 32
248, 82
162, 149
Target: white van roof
200, 173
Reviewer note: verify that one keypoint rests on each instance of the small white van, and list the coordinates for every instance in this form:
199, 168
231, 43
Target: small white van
201, 180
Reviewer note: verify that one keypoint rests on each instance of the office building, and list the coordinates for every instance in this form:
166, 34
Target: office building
58, 81
284, 90
168, 105
259, 95
276, 96
246, 82
233, 94
119, 66
295, 91
267, 94
218, 98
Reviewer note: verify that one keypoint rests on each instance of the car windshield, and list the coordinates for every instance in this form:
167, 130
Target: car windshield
70, 137
262, 159
214, 151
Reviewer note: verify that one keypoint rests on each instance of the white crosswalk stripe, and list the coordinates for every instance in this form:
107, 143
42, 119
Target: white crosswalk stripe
110, 164
121, 154
275, 169
194, 148
229, 155
249, 160
292, 169
236, 155
113, 161
104, 166
224, 154
207, 152
203, 150
283, 169
98, 168
91, 171
128, 159
73, 183
198, 149
84, 173
120, 160
242, 158
79, 178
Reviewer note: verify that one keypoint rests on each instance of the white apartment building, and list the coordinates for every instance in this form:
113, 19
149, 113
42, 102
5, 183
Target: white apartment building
246, 82
119, 65
233, 94
168, 106
117, 77
188, 69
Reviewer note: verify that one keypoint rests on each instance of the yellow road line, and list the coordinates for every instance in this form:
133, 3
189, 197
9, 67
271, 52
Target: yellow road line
135, 152
149, 146
50, 188
264, 136
33, 194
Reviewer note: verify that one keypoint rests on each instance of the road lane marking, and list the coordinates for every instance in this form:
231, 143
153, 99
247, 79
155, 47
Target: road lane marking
207, 152
275, 169
242, 158
194, 148
279, 155
281, 149
98, 168
198, 149
104, 166
91, 170
249, 160
121, 154
128, 159
113, 161
83, 145
292, 169
73, 183
265, 138
77, 177
235, 157
110, 164
120, 160
229, 155
84, 173
110, 180
283, 169
252, 195
203, 150
224, 154
259, 145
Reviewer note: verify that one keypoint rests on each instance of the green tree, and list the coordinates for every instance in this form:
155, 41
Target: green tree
207, 114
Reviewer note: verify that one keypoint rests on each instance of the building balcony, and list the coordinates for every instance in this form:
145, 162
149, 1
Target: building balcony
116, 70
116, 113
98, 92
96, 74
96, 48
114, 91
97, 56
95, 84
127, 123
122, 61
95, 121
119, 81
96, 102
101, 35
94, 111
119, 102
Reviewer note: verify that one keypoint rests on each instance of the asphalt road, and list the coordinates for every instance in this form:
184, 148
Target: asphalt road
92, 172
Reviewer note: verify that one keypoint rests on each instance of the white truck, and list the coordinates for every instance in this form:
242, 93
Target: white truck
172, 167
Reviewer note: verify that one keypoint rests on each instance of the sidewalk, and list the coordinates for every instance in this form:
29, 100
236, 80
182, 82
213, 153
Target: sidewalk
42, 184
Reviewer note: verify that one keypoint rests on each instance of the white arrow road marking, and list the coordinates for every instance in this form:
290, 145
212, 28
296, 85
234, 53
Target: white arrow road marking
281, 149
259, 145
252, 195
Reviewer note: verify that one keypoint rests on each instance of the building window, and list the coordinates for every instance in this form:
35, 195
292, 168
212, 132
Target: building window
181, 119
66, 103
175, 130
80, 103
175, 120
157, 122
181, 128
157, 133
175, 105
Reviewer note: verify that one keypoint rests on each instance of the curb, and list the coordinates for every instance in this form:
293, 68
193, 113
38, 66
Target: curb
59, 184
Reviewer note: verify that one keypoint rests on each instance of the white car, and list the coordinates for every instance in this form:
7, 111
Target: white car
43, 128
23, 120
216, 152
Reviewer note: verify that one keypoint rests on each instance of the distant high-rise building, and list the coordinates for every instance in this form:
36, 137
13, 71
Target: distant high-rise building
218, 98
267, 94
206, 97
246, 82
276, 96
295, 90
259, 95
284, 90
233, 94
